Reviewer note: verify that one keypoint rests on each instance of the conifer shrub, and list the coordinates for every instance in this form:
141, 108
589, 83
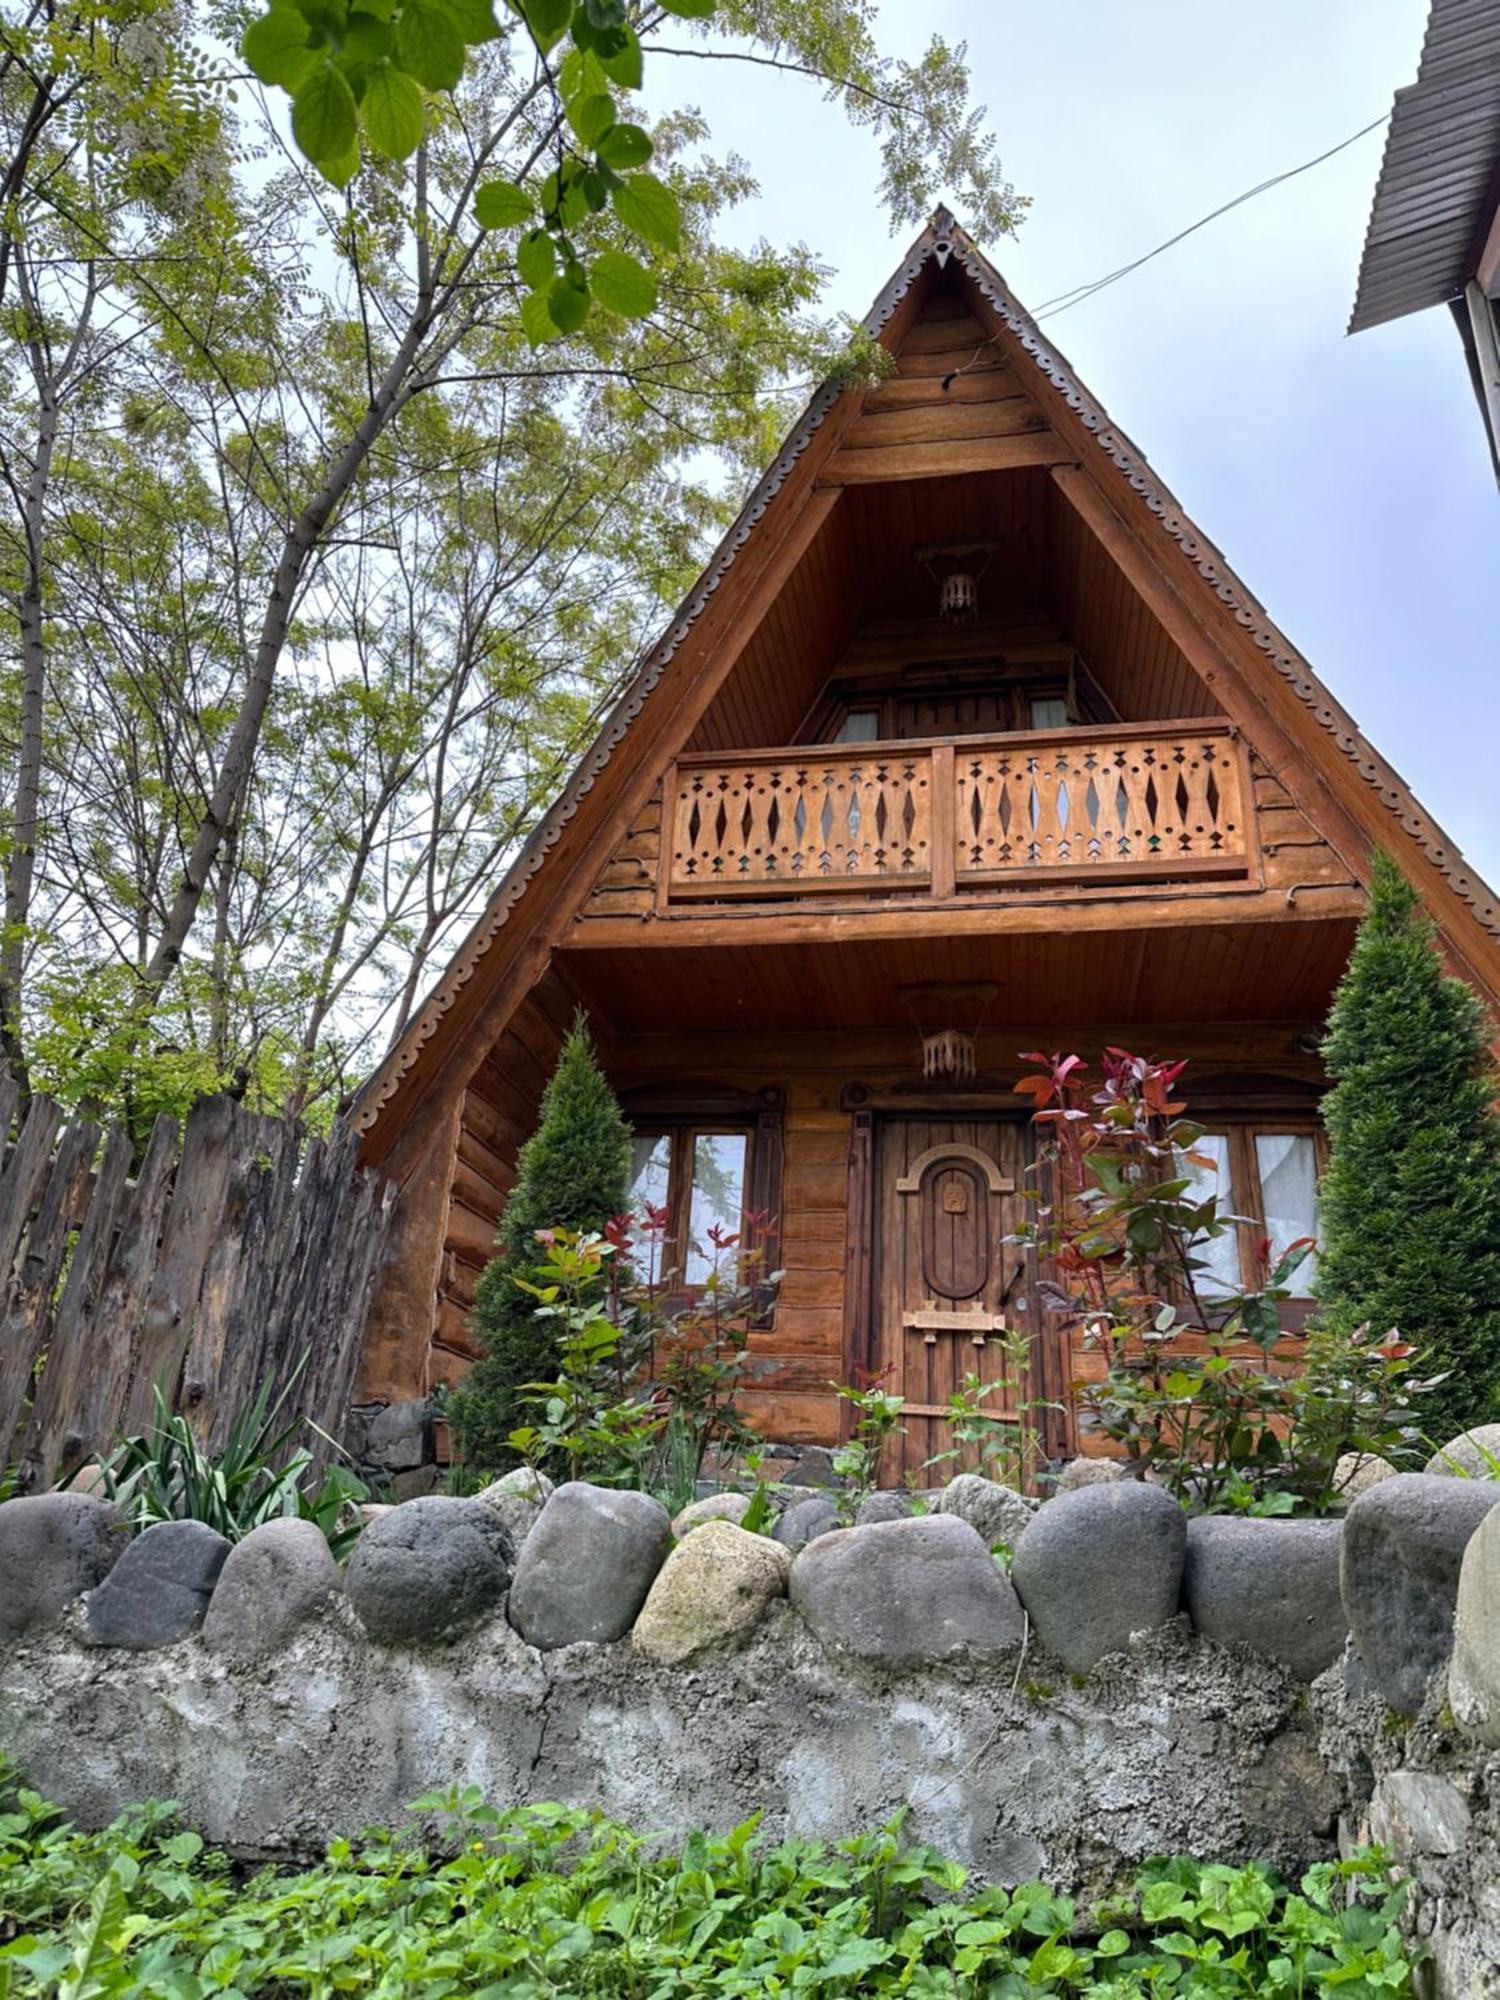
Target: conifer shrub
1411, 1200
573, 1173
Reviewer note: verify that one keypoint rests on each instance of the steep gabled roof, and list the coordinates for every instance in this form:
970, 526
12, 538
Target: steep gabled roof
482, 960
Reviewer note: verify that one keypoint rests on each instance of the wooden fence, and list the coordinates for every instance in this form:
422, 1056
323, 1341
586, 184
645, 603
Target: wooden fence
234, 1249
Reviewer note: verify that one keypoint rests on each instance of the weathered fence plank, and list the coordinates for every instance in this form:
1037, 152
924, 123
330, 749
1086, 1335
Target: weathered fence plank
236, 1257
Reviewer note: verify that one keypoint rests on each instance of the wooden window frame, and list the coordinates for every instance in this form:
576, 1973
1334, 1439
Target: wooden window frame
1244, 1195
686, 1112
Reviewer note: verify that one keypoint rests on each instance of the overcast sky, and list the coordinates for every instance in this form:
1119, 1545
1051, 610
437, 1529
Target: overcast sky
1347, 479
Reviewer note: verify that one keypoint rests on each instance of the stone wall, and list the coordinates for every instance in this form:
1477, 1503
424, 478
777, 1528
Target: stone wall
1136, 1684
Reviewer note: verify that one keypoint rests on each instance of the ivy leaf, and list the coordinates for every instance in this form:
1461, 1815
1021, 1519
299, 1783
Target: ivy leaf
429, 45
547, 19
275, 46
323, 117
536, 319
624, 146
501, 205
621, 285
650, 209
591, 117
536, 259
568, 303
391, 112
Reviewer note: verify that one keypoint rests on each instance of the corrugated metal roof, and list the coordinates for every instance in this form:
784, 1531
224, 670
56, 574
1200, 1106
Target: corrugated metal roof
1442, 157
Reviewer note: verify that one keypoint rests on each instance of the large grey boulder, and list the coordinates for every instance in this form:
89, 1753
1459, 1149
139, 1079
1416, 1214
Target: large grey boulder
159, 1589
518, 1497
1404, 1543
278, 1576
1474, 1674
906, 1591
1270, 1585
428, 1568
587, 1565
53, 1547
805, 1520
996, 1513
1098, 1565
712, 1590
1473, 1454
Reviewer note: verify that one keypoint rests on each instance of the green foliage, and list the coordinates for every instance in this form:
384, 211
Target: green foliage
642, 1395
551, 1903
165, 1474
573, 1175
1192, 1391
1006, 1448
877, 1419
1411, 1199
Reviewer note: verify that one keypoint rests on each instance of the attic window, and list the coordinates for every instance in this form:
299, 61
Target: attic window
1049, 711
859, 725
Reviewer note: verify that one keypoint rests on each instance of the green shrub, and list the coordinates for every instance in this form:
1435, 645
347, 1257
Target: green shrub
165, 1474
573, 1173
551, 1903
1411, 1199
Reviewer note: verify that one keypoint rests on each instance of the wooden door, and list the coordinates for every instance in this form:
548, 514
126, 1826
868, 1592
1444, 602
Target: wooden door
946, 1285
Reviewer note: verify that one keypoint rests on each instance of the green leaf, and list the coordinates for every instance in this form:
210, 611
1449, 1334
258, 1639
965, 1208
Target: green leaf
429, 44
649, 208
537, 323
547, 19
689, 10
275, 46
622, 285
323, 116
622, 65
590, 117
501, 205
368, 37
536, 258
568, 303
624, 146
476, 20
391, 112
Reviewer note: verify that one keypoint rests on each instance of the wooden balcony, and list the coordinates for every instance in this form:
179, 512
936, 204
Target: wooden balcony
1130, 803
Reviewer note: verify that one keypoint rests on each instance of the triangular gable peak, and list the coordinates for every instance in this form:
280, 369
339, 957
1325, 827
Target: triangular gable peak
980, 420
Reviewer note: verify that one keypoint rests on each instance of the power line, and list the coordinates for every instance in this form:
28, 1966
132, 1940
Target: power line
1066, 300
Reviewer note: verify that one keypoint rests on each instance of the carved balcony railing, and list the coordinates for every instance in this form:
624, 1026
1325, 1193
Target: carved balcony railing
1115, 804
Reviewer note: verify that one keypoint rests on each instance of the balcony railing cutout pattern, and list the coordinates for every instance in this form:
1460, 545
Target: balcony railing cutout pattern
841, 822
1093, 804
1131, 801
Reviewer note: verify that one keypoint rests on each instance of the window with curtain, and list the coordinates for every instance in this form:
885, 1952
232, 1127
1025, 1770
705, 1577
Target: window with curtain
699, 1176
1266, 1175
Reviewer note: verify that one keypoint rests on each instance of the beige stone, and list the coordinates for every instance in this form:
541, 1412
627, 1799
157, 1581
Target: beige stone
1079, 1472
1356, 1472
1474, 1671
87, 1479
717, 1507
1473, 1454
714, 1588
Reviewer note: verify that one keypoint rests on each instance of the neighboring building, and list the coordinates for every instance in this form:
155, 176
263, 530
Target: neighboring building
966, 743
1434, 236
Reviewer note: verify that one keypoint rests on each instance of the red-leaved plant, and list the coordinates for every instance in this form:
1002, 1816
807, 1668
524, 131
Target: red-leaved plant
1194, 1391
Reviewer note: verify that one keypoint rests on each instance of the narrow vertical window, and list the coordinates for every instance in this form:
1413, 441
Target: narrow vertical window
1220, 1255
1287, 1163
718, 1198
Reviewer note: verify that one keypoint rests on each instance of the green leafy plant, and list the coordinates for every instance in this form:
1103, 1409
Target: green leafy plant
1006, 1448
1194, 1389
165, 1474
876, 1420
572, 1174
1411, 1199
550, 1902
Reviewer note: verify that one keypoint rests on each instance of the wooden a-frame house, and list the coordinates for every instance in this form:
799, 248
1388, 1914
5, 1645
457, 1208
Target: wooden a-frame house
966, 742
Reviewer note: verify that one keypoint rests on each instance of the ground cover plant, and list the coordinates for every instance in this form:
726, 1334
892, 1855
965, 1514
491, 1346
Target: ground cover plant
551, 1903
